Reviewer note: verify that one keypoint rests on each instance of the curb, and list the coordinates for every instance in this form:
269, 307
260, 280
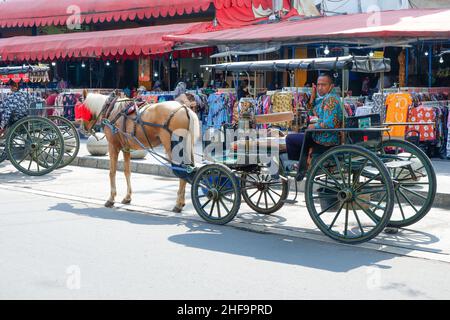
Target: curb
442, 200
136, 167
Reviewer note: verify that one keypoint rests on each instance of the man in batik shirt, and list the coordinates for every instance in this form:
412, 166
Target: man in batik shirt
13, 107
326, 106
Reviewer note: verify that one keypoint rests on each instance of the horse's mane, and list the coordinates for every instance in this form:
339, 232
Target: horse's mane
95, 102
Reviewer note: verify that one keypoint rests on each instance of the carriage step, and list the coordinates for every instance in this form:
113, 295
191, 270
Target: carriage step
289, 201
398, 164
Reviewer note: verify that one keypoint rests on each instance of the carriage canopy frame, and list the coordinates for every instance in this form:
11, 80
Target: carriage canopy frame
363, 64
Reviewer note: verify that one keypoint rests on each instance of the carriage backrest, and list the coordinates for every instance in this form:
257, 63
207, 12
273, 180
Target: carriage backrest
370, 139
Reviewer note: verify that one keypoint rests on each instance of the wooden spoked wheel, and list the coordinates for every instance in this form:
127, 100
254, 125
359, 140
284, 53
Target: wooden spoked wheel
264, 193
414, 181
35, 146
349, 194
71, 139
216, 194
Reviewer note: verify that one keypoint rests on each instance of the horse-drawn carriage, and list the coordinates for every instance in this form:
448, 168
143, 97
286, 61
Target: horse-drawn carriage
352, 191
37, 143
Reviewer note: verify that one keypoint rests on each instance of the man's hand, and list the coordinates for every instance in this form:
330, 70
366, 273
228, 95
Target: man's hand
313, 93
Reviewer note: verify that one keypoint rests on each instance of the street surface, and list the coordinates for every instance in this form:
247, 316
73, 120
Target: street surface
58, 241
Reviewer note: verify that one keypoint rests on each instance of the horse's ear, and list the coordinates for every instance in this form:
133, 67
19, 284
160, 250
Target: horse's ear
85, 93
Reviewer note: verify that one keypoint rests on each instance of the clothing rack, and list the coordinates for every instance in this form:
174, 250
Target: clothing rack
432, 103
159, 93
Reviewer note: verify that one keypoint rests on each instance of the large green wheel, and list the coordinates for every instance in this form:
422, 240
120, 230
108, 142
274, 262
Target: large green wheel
349, 194
264, 193
216, 194
415, 181
3, 155
35, 146
71, 139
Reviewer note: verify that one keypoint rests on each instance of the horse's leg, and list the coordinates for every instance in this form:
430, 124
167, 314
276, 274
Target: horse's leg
113, 158
181, 199
127, 171
166, 142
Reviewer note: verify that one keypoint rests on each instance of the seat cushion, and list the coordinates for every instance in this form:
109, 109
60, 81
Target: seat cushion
267, 143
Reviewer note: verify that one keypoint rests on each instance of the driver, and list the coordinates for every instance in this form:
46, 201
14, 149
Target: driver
326, 106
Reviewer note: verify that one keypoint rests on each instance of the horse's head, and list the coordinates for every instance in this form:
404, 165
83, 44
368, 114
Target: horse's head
89, 112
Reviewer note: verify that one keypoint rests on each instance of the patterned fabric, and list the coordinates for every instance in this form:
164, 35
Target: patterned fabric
69, 101
423, 114
218, 114
379, 106
329, 112
13, 108
397, 112
448, 136
282, 102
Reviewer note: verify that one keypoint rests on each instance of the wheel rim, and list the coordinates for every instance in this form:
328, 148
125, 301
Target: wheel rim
263, 193
3, 155
71, 139
216, 194
349, 194
414, 185
35, 146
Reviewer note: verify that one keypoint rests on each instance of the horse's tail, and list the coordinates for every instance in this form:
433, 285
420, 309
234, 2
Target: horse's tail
194, 130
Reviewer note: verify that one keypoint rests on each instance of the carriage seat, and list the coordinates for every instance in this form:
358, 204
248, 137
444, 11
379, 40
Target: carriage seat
263, 143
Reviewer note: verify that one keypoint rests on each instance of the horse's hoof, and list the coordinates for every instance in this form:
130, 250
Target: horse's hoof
125, 201
109, 204
177, 210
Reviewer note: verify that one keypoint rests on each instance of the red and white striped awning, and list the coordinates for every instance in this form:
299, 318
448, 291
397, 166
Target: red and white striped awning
26, 13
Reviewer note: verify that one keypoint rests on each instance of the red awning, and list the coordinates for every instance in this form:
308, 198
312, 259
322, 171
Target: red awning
26, 13
237, 13
433, 23
137, 41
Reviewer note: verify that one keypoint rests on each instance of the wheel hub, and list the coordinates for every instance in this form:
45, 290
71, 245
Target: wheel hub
345, 195
213, 194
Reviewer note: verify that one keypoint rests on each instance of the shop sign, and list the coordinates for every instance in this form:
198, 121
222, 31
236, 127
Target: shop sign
378, 54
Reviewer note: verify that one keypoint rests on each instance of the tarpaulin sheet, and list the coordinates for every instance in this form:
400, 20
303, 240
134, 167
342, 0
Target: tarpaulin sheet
353, 63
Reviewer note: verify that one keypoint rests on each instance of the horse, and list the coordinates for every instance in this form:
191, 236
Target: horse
150, 124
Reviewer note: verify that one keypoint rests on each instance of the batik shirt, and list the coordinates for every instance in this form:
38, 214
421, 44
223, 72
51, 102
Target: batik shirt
329, 111
13, 108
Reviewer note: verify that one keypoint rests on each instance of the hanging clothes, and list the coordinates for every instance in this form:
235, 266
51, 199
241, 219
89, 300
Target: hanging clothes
423, 114
397, 112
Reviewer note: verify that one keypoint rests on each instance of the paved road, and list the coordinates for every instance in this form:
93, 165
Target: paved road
57, 241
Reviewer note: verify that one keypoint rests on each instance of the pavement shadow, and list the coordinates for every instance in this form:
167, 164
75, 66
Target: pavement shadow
11, 175
264, 247
409, 239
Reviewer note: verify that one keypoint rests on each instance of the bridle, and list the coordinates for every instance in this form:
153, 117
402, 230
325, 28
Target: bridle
90, 131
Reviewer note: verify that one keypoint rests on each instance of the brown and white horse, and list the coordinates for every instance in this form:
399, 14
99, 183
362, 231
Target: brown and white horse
177, 118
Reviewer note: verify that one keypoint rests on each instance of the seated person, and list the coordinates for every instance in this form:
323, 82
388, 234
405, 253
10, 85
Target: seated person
326, 106
13, 108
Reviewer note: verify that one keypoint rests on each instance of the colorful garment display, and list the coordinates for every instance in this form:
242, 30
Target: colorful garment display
423, 114
397, 112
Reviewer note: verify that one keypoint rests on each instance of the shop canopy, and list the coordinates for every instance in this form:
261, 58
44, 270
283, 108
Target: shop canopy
353, 63
137, 41
26, 13
25, 74
409, 23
